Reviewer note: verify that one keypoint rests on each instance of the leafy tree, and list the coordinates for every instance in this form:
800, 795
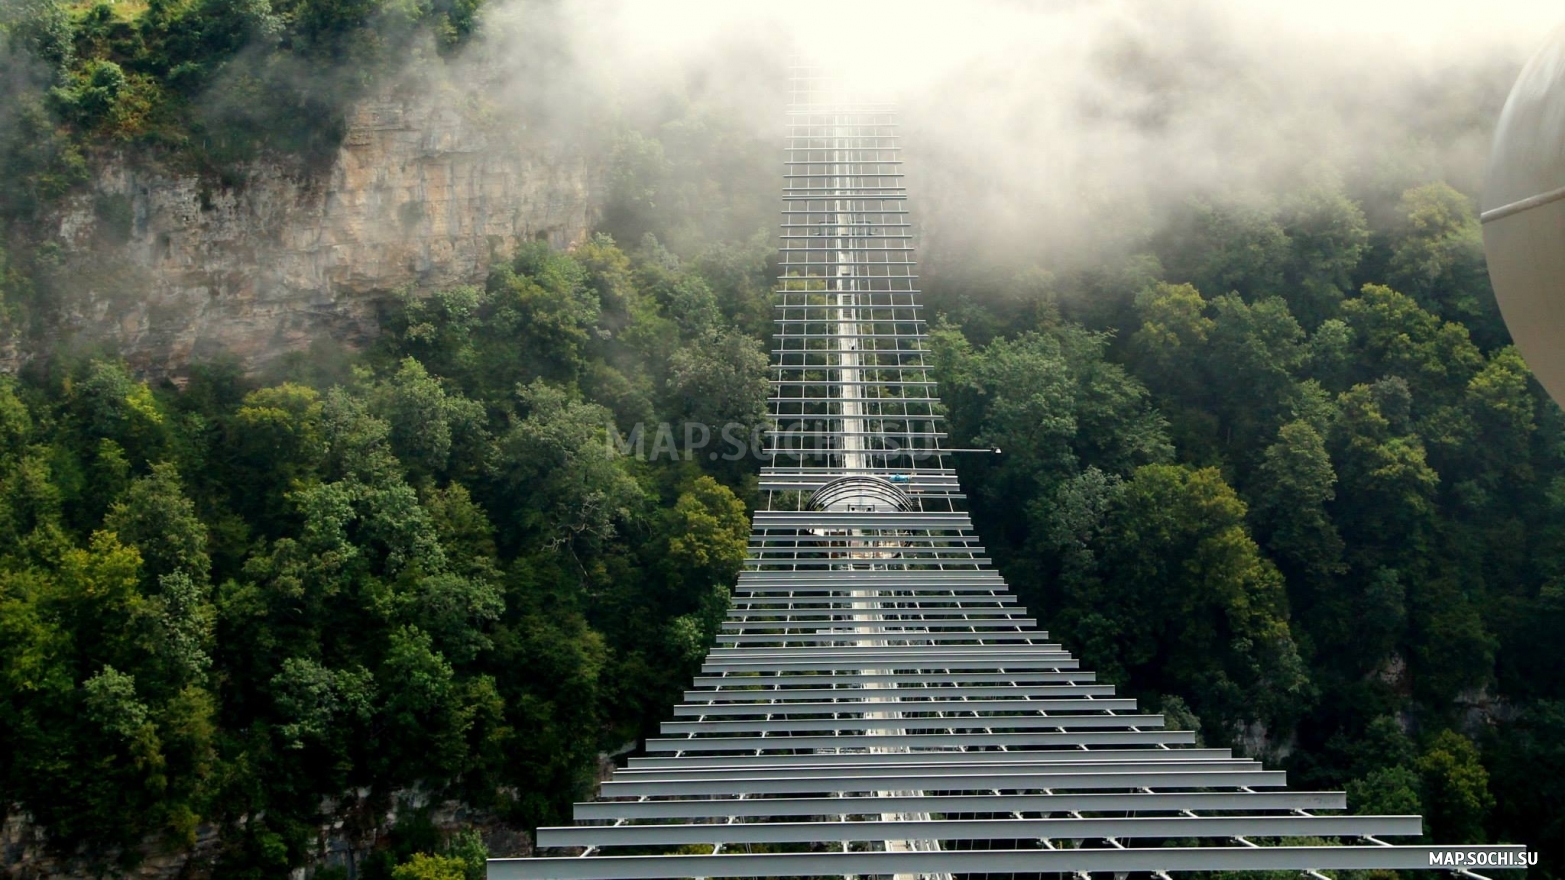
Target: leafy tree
1222, 248
469, 847
709, 536
1071, 522
1396, 337
1173, 321
560, 698
1254, 355
1328, 237
30, 502
741, 276
1526, 780
1454, 650
1388, 791
16, 424
1437, 255
1389, 488
455, 611
42, 163
559, 459
162, 524
1329, 355
427, 867
317, 703
109, 405
710, 532
1455, 788
1054, 404
719, 380
684, 297
42, 28
442, 331
464, 531
1499, 406
433, 433
638, 170
1181, 598
543, 305
1225, 370
82, 690
183, 615
1297, 481
274, 445
426, 723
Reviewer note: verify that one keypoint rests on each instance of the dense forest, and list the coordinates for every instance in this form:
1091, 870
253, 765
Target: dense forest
1277, 472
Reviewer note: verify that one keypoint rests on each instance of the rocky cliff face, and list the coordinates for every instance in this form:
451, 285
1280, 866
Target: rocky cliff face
351, 829
168, 269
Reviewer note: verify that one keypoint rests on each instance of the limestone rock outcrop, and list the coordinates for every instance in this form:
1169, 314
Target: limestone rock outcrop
423, 192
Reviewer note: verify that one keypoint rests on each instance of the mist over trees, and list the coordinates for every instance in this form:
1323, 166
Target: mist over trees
1245, 471
1270, 463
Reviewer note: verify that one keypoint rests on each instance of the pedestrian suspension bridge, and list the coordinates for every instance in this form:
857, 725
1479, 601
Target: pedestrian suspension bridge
877, 704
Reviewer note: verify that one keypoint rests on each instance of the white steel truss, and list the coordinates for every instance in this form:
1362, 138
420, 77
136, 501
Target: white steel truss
877, 703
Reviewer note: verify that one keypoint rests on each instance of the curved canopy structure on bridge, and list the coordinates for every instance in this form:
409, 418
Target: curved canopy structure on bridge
877, 704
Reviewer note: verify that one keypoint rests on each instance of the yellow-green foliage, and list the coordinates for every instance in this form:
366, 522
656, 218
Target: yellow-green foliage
424, 866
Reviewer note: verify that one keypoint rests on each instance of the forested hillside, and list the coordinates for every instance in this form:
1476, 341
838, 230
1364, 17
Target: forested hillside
1274, 469
1286, 472
425, 569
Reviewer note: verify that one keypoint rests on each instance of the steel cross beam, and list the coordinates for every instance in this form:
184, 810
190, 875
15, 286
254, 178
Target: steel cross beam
877, 702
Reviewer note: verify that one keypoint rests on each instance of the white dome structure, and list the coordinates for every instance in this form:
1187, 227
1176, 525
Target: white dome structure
1524, 215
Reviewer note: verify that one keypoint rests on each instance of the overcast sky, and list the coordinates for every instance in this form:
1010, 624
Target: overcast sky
1061, 121
940, 33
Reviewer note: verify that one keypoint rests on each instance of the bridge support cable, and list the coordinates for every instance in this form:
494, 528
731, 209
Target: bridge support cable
877, 704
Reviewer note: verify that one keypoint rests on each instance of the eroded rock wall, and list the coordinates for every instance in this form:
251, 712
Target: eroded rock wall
350, 831
425, 192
